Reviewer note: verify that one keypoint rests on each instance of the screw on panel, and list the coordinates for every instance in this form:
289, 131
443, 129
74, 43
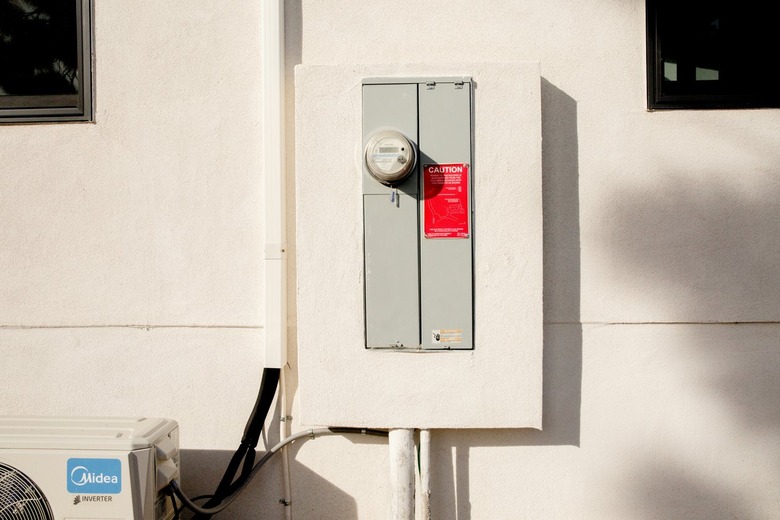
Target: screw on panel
430, 85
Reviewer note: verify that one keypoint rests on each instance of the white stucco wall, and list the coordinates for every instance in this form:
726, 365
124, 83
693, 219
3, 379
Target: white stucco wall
130, 248
131, 283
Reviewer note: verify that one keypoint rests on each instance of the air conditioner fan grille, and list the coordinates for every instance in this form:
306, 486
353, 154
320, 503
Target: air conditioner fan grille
20, 498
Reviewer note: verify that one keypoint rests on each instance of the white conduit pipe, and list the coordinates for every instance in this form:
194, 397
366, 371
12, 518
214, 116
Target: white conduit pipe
425, 475
402, 473
284, 432
275, 194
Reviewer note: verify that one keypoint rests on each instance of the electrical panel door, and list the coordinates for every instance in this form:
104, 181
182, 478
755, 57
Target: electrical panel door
418, 215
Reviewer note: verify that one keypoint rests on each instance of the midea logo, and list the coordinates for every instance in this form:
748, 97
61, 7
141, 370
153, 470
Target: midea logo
94, 476
81, 476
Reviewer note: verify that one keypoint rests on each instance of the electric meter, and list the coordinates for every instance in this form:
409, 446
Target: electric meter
390, 157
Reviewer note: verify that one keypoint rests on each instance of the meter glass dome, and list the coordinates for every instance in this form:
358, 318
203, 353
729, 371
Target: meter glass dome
390, 156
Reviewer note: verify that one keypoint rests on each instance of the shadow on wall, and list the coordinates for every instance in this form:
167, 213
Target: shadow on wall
678, 494
562, 368
293, 43
717, 455
562, 332
202, 470
312, 495
709, 240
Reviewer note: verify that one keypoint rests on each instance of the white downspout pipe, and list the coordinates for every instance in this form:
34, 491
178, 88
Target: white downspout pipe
275, 194
402, 473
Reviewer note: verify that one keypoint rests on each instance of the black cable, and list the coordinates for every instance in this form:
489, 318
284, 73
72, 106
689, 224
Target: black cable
244, 456
176, 510
240, 486
254, 426
345, 430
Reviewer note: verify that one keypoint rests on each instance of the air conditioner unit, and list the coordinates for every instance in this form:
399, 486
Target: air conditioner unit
57, 468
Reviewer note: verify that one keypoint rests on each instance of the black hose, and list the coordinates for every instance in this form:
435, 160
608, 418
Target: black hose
244, 456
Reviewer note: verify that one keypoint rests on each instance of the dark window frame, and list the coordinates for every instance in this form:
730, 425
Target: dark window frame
65, 107
701, 97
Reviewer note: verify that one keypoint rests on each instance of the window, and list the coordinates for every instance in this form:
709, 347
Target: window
45, 60
712, 54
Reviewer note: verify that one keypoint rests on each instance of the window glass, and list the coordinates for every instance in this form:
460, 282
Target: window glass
712, 54
44, 59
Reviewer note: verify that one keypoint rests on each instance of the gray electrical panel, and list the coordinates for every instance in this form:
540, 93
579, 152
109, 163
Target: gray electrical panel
418, 221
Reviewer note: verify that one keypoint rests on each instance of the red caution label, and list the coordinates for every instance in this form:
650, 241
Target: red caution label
446, 196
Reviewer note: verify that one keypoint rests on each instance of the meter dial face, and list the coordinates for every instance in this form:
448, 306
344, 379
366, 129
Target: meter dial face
390, 157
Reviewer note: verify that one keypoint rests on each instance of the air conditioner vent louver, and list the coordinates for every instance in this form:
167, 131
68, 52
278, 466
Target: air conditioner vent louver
20, 498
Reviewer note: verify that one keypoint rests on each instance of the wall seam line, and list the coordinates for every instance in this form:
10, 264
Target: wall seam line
661, 323
129, 326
